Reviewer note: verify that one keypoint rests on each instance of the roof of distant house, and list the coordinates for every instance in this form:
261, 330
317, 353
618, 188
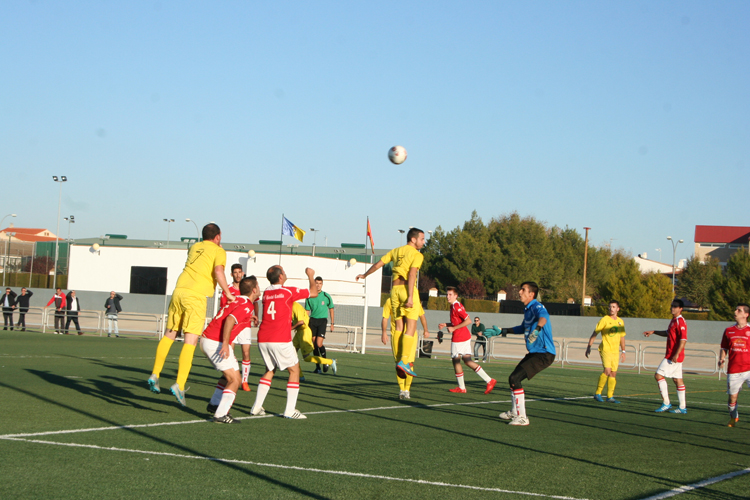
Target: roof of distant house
29, 233
722, 234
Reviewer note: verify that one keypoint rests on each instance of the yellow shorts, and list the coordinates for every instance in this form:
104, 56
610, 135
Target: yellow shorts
610, 360
187, 312
303, 341
398, 348
399, 296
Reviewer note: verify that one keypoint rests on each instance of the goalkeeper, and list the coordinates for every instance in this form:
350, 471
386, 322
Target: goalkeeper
537, 332
303, 338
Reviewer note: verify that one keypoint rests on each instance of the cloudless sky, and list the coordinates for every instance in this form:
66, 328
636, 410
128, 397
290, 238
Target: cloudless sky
632, 118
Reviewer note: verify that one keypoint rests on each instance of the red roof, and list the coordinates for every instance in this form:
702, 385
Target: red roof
722, 234
28, 234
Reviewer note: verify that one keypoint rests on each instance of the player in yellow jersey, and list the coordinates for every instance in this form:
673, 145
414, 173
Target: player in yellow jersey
303, 339
611, 350
404, 379
187, 309
406, 263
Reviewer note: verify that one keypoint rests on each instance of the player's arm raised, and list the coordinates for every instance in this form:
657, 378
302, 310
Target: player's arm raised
660, 333
226, 334
311, 279
222, 281
372, 269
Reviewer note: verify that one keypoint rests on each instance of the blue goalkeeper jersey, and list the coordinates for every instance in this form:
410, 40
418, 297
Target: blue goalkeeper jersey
532, 313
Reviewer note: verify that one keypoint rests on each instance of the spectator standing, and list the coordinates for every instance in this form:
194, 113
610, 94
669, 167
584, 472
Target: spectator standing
478, 329
59, 300
22, 301
111, 308
73, 306
9, 303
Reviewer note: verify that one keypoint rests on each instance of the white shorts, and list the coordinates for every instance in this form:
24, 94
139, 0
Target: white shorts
735, 381
211, 349
243, 338
459, 349
278, 355
667, 369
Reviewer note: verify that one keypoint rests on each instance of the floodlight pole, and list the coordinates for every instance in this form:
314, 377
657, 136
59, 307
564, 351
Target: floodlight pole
674, 257
57, 232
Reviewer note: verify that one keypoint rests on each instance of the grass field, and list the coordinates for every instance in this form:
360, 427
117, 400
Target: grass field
79, 422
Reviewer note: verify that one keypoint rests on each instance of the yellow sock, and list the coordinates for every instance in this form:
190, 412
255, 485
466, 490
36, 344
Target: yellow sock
319, 360
611, 387
602, 381
162, 350
407, 382
407, 343
185, 364
401, 383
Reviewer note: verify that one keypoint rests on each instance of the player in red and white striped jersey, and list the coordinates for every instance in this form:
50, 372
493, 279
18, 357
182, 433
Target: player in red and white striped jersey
461, 343
736, 344
244, 338
275, 337
216, 342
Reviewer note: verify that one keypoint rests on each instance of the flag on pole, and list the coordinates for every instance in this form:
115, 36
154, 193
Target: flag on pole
290, 229
369, 233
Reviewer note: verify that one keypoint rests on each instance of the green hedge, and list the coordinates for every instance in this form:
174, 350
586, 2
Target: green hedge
473, 305
703, 316
438, 304
18, 280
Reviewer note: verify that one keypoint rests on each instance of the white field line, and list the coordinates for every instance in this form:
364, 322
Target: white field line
293, 467
699, 484
323, 412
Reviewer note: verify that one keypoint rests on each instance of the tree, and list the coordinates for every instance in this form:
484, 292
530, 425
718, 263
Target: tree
697, 280
42, 265
640, 296
472, 288
731, 288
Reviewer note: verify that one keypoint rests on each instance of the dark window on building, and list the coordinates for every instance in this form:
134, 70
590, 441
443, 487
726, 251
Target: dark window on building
149, 280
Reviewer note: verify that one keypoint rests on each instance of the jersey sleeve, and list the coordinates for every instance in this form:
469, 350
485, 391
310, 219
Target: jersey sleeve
220, 259
462, 314
682, 330
330, 301
299, 293
600, 325
725, 340
385, 259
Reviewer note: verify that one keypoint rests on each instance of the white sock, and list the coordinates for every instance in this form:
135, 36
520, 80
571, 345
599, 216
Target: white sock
216, 398
263, 387
520, 402
460, 379
733, 410
227, 399
514, 409
292, 391
664, 390
480, 371
680, 395
245, 371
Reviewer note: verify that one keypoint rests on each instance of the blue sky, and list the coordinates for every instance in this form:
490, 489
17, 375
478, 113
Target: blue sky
632, 118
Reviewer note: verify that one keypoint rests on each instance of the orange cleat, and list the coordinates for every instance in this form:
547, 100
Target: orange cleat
457, 389
245, 387
490, 386
733, 422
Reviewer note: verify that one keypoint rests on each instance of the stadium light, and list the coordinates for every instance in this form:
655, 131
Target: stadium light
196, 227
315, 238
674, 257
60, 180
71, 220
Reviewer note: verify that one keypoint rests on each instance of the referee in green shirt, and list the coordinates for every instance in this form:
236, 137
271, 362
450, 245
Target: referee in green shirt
320, 307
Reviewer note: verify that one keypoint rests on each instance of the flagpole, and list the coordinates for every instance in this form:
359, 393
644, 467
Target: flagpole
367, 235
281, 237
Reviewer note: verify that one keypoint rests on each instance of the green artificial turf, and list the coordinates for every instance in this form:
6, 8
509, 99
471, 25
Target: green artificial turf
574, 447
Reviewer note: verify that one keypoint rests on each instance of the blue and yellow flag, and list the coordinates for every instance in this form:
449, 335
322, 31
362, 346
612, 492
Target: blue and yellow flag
290, 229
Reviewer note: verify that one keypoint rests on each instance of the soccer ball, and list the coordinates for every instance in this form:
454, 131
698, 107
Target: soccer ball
397, 155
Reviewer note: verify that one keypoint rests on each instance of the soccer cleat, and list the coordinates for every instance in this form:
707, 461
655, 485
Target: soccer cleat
211, 408
179, 394
407, 395
679, 410
457, 389
518, 420
317, 370
663, 408
490, 386
507, 415
733, 422
302, 379
257, 413
400, 394
296, 414
334, 367
598, 397
246, 387
613, 400
406, 368
400, 373
226, 419
153, 384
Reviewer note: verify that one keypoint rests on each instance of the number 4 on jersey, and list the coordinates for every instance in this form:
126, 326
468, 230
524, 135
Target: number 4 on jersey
271, 311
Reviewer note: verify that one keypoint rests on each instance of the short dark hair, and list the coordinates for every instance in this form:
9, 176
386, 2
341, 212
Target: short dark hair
744, 306
247, 285
613, 301
413, 233
451, 289
273, 274
679, 303
318, 278
210, 231
532, 287
236, 266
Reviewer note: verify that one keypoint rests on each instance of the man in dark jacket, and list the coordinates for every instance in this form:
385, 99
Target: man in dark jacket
111, 308
73, 306
9, 303
59, 300
22, 301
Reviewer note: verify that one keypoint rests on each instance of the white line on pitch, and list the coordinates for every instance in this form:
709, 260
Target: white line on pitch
699, 484
293, 467
322, 412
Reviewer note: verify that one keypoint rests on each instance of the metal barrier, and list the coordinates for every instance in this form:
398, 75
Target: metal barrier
342, 338
594, 362
34, 317
134, 323
90, 321
690, 355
